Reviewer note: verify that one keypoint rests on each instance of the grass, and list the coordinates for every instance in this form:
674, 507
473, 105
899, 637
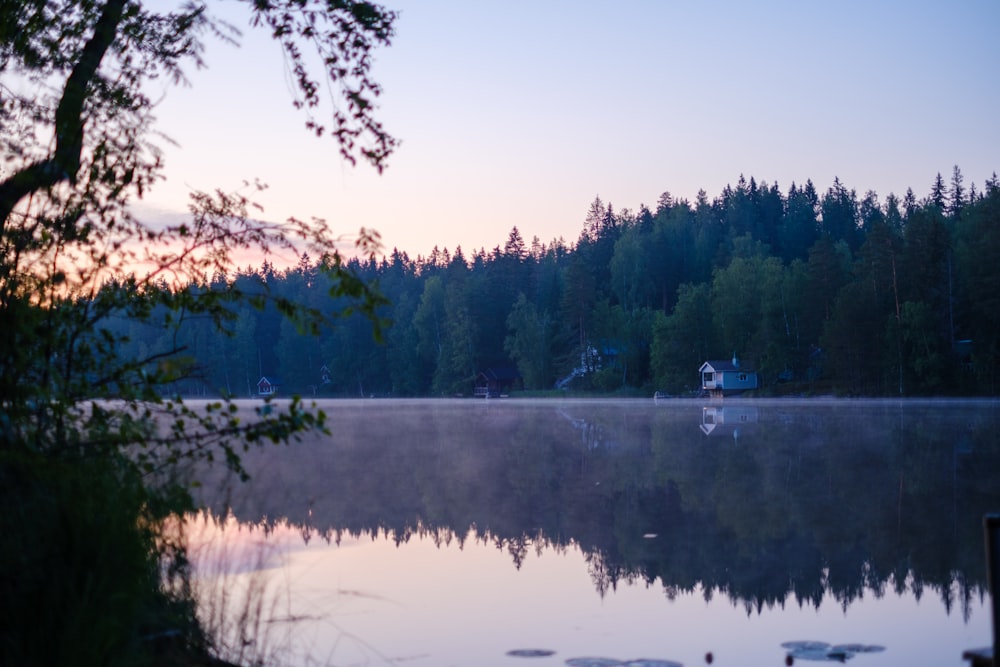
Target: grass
240, 603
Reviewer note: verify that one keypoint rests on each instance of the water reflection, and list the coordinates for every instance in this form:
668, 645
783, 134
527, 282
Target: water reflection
766, 503
756, 540
728, 420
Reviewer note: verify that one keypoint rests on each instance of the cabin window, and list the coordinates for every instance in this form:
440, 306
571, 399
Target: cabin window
743, 377
708, 377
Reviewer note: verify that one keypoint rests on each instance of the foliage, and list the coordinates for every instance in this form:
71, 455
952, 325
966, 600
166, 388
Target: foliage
80, 585
529, 343
104, 317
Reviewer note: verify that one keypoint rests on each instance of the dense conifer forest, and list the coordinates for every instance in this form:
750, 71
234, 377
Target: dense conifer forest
820, 292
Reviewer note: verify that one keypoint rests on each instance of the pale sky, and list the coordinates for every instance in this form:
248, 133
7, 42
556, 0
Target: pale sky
520, 113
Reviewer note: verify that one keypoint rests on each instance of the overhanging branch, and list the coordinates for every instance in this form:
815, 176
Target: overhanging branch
64, 163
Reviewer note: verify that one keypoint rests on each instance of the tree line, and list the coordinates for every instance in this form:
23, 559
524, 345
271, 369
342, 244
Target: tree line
819, 292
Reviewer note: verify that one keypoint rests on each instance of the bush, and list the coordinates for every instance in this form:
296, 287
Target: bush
81, 569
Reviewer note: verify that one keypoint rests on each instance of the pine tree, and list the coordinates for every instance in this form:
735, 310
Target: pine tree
938, 195
956, 195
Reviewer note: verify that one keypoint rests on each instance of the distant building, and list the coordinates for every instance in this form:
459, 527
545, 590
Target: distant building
268, 386
496, 381
722, 378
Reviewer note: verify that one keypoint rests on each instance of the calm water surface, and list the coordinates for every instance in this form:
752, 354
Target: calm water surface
454, 532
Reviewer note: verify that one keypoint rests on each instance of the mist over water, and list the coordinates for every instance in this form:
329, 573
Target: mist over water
590, 524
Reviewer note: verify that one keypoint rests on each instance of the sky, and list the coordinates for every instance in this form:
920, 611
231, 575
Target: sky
520, 113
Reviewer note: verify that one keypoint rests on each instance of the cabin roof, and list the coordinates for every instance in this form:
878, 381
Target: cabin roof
718, 365
725, 365
500, 373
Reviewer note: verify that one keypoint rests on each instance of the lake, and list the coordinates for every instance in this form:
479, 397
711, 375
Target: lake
549, 532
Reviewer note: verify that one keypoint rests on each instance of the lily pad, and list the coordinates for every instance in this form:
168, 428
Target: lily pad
819, 655
594, 662
646, 662
823, 652
858, 648
806, 646
530, 653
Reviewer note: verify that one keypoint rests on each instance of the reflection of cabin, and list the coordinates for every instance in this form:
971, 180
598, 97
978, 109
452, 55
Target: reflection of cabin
268, 386
727, 420
497, 381
722, 378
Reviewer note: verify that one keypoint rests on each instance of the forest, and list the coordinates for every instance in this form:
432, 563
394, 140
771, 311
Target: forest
820, 292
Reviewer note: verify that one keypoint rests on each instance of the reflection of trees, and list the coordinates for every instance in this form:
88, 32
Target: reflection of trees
849, 499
